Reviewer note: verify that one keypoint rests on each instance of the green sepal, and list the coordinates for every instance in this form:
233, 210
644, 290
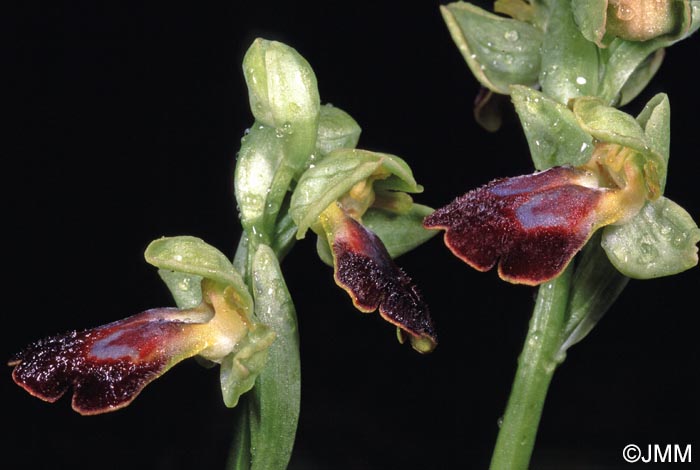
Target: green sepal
570, 64
336, 174
499, 51
659, 241
191, 255
552, 131
590, 16
400, 233
283, 94
240, 369
186, 289
336, 130
261, 178
595, 286
275, 402
655, 119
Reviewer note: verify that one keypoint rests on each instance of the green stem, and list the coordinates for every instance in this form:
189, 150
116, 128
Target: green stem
536, 365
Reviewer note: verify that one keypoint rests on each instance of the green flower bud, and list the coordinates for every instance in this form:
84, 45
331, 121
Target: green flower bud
641, 20
282, 86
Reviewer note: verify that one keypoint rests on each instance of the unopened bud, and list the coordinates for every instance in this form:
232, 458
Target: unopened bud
641, 20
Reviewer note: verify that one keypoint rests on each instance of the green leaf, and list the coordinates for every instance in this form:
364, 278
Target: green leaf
336, 174
499, 51
191, 255
655, 119
261, 179
570, 65
659, 241
400, 233
590, 17
275, 404
595, 286
336, 130
239, 457
552, 131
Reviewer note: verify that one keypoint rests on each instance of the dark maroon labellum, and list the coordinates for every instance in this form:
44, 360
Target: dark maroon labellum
530, 225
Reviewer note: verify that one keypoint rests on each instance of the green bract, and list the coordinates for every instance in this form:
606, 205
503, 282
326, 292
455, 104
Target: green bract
660, 241
499, 51
336, 174
570, 65
277, 393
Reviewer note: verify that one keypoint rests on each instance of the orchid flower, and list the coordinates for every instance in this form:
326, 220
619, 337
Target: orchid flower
532, 226
353, 200
109, 365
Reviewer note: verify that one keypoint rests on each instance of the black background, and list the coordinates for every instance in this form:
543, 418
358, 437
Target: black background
122, 124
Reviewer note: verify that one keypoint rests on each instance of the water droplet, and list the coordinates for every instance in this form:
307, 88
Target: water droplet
489, 44
581, 80
624, 12
511, 35
177, 257
584, 146
499, 422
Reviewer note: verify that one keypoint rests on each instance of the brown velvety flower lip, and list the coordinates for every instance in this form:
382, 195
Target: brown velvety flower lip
530, 225
366, 271
107, 366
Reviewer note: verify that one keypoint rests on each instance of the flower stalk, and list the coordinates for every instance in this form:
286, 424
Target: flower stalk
536, 365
